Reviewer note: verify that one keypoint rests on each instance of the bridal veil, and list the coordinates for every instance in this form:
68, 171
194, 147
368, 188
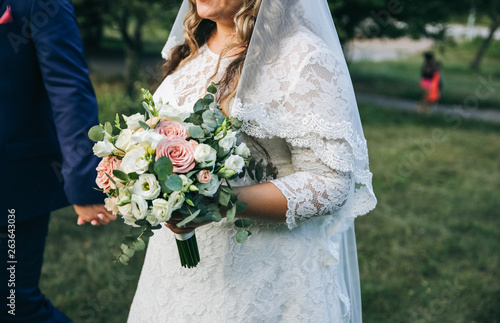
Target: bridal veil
323, 117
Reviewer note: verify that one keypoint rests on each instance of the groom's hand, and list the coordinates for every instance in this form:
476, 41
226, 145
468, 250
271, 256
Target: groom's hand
94, 213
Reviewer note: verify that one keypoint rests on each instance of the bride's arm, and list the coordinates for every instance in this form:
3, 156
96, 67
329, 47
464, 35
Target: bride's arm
265, 202
313, 190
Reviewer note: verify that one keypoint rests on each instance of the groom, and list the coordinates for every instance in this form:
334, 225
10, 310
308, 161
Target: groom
47, 105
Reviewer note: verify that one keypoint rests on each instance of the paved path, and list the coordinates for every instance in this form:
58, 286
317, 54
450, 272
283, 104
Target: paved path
408, 105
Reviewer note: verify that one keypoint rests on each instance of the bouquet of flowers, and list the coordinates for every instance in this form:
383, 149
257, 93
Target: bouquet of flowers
168, 160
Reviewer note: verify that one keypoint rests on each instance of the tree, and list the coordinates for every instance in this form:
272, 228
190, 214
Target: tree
491, 9
390, 18
129, 17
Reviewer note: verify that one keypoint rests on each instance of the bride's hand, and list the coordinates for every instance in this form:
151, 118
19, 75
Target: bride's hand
177, 218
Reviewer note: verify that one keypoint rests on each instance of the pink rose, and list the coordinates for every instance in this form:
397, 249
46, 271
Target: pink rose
106, 166
204, 176
194, 144
171, 129
180, 152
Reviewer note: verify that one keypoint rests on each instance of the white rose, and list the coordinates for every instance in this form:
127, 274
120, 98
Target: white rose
161, 212
176, 199
135, 161
103, 148
147, 186
243, 150
148, 139
205, 155
139, 207
210, 188
133, 121
123, 142
228, 142
172, 113
235, 162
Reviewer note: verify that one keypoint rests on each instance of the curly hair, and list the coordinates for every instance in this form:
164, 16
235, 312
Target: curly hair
197, 31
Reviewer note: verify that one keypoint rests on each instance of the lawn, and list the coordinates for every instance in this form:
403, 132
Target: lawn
400, 78
427, 253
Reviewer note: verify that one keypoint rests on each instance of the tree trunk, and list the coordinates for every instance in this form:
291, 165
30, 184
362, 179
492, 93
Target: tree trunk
484, 46
133, 53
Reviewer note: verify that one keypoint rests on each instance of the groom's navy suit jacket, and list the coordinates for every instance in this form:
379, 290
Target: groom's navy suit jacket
47, 105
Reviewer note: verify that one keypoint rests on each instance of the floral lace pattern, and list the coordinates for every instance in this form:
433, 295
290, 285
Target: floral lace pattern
278, 275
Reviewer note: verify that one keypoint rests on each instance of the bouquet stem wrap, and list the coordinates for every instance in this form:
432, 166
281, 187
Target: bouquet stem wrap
188, 249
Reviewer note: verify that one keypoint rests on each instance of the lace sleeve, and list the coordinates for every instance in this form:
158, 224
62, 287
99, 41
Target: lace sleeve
314, 189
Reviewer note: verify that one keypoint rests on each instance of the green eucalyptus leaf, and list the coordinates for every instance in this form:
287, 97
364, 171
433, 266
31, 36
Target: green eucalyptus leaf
188, 219
243, 223
231, 213
115, 251
195, 132
216, 216
144, 125
139, 245
121, 175
259, 173
212, 89
241, 207
235, 122
174, 182
224, 197
133, 176
108, 127
148, 233
136, 231
142, 222
163, 167
242, 236
127, 250
124, 259
96, 133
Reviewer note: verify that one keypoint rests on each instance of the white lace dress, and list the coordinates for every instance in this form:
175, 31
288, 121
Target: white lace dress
290, 272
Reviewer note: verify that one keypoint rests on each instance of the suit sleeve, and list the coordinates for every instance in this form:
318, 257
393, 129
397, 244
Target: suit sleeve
59, 50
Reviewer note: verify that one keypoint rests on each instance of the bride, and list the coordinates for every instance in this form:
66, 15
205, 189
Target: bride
282, 72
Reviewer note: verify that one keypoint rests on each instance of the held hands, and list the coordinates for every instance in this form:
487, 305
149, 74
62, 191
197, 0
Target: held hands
94, 213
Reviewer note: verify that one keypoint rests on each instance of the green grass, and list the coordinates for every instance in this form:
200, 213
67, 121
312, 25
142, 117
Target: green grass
401, 78
427, 253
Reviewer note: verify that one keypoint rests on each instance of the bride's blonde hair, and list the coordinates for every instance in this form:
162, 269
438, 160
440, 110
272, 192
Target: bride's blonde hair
197, 31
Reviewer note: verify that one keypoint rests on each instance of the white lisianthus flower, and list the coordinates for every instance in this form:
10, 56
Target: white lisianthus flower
210, 188
133, 121
172, 113
103, 148
161, 212
139, 207
235, 162
228, 142
123, 142
176, 199
219, 136
135, 161
126, 212
205, 155
186, 182
147, 186
148, 139
243, 150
